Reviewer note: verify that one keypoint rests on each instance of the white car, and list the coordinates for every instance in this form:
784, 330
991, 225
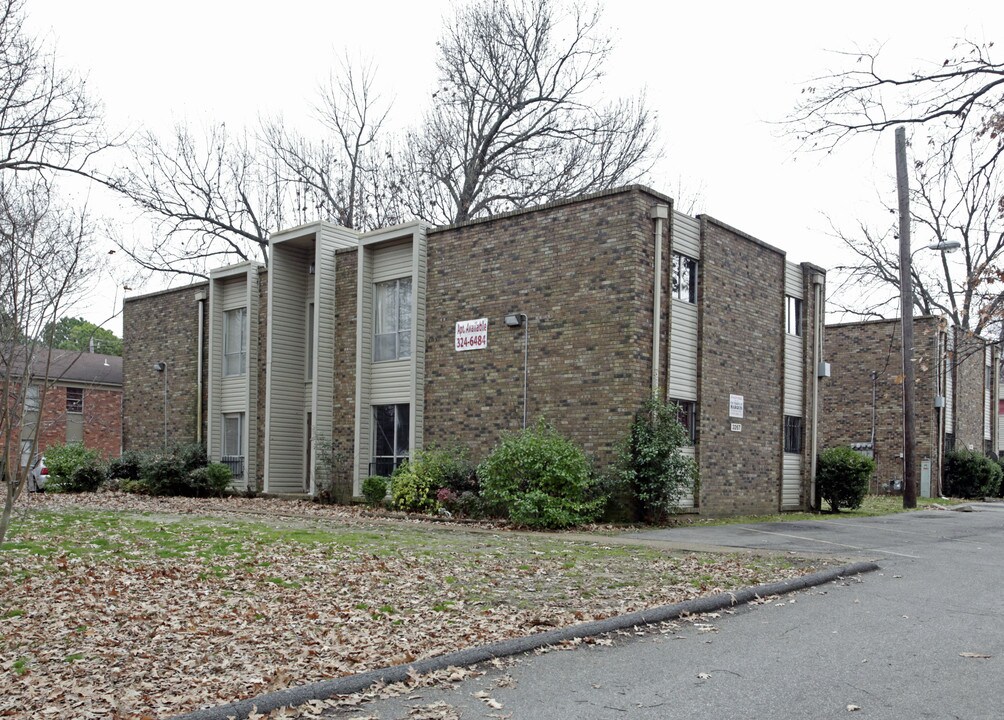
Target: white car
39, 475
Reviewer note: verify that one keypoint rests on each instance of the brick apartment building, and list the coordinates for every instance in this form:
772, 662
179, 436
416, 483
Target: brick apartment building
953, 398
378, 343
76, 397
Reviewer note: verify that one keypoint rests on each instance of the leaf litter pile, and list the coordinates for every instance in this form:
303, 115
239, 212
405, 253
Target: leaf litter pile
116, 606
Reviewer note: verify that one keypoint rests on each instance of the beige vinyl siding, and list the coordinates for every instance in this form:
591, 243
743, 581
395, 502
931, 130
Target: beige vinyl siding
285, 418
791, 481
390, 254
683, 332
329, 239
950, 381
988, 397
418, 340
684, 318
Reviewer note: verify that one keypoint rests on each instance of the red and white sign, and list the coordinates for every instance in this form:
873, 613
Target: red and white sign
471, 335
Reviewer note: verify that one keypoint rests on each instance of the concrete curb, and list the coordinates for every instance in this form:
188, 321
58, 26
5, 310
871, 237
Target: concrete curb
398, 673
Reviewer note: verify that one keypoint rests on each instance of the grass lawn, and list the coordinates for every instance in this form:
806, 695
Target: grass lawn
125, 607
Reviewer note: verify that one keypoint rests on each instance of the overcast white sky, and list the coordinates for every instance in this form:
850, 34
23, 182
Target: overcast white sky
717, 73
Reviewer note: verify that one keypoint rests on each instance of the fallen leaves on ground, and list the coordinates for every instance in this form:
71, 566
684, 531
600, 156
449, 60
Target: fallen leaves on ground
119, 606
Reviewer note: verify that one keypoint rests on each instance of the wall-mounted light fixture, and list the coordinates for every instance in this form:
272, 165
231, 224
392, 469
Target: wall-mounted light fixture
515, 320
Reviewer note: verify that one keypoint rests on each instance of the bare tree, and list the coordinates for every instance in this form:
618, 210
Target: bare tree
44, 264
954, 198
344, 177
47, 120
213, 200
958, 97
517, 119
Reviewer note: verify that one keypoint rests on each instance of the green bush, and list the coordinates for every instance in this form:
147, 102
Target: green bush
163, 475
190, 456
842, 477
64, 462
375, 489
413, 490
969, 474
651, 467
539, 479
213, 479
451, 469
127, 467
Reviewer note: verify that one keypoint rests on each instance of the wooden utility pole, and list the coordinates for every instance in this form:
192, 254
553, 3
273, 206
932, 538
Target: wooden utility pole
906, 314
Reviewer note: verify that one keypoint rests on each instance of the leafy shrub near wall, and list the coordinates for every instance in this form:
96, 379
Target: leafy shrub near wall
184, 470
969, 474
213, 479
127, 467
412, 489
539, 479
73, 468
651, 467
375, 489
842, 477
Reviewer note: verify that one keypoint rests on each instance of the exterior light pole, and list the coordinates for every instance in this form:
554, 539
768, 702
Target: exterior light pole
161, 367
906, 315
517, 320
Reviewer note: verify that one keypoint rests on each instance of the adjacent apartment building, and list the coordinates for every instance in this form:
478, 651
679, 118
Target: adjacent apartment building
954, 397
72, 397
367, 346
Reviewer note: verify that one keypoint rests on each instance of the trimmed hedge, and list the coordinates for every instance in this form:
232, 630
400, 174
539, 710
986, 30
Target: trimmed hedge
842, 477
970, 474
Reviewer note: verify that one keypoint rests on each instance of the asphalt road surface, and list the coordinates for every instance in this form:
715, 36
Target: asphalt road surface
921, 638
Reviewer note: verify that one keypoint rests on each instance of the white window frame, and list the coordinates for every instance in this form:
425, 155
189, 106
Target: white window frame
231, 356
33, 399
401, 412
226, 451
401, 332
77, 408
309, 360
794, 315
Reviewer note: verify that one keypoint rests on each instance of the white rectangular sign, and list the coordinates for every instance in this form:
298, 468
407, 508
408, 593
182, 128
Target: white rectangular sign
471, 335
736, 403
737, 427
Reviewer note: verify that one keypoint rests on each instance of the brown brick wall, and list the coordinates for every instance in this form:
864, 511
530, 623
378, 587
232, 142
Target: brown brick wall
970, 378
854, 350
582, 272
741, 292
160, 327
344, 407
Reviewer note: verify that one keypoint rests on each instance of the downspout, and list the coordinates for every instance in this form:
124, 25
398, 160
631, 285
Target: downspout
201, 298
659, 213
817, 354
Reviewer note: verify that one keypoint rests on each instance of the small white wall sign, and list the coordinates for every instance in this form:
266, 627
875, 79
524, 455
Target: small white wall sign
471, 335
737, 427
736, 404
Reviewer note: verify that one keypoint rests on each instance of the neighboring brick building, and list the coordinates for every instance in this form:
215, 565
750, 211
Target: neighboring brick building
953, 396
73, 397
728, 328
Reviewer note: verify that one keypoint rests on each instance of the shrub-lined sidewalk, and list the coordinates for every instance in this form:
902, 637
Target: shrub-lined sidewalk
124, 606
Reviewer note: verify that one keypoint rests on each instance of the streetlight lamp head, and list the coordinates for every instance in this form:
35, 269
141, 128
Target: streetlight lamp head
945, 245
514, 319
160, 366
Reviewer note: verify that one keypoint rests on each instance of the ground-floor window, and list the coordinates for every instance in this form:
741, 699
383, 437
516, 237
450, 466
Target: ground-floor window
687, 417
792, 434
233, 443
391, 431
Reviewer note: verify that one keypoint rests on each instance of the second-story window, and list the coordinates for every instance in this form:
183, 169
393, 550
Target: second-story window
793, 315
74, 400
392, 320
684, 278
235, 345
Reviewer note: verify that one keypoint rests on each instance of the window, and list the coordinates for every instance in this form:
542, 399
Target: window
310, 341
684, 278
949, 442
235, 353
391, 430
233, 443
793, 315
792, 434
688, 417
392, 320
74, 400
33, 399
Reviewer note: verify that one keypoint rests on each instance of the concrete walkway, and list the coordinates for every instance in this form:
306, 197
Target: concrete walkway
921, 638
